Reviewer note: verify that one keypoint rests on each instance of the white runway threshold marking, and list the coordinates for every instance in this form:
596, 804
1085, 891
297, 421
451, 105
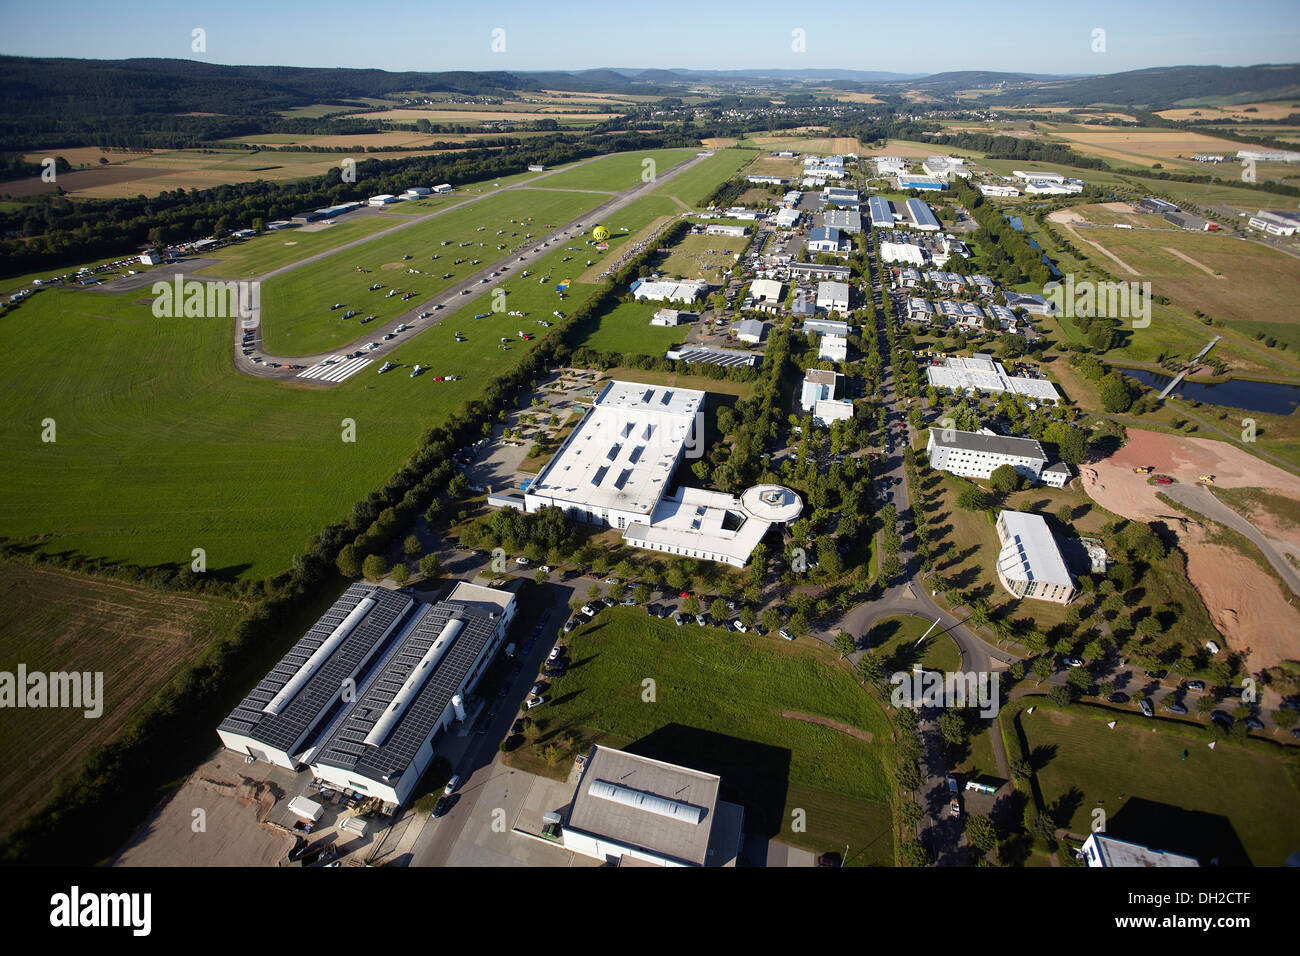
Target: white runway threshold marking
334, 370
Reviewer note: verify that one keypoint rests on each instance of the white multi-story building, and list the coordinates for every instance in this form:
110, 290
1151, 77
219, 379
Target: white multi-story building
978, 455
833, 296
993, 189
1275, 222
834, 348
982, 373
1030, 564
818, 396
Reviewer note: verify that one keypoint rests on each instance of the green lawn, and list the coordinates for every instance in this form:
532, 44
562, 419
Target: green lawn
894, 640
626, 328
271, 250
1245, 792
717, 705
694, 186
296, 307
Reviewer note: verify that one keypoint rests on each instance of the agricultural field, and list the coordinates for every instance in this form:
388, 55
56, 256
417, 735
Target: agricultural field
1205, 271
1145, 147
1226, 803
168, 169
296, 307
138, 638
1244, 112
718, 708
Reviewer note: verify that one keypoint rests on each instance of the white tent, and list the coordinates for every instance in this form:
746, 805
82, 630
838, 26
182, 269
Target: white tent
306, 808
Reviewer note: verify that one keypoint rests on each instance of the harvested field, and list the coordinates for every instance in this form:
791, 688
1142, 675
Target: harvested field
136, 637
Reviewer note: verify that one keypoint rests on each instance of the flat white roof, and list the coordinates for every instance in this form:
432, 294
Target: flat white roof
622, 454
1030, 552
964, 373
713, 522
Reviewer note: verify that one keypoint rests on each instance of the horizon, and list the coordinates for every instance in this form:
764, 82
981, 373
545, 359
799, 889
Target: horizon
763, 36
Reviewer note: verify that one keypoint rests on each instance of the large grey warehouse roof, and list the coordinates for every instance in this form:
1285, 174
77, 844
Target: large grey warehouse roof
881, 213
991, 444
304, 687
417, 697
921, 214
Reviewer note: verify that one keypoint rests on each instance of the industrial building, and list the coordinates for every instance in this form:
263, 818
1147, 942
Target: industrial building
826, 327
943, 167
1032, 303
890, 165
845, 220
837, 196
825, 239
631, 810
1151, 204
384, 199
671, 290
1102, 850
362, 696
993, 189
833, 296
765, 180
881, 211
670, 318
978, 454
720, 230
903, 252
833, 348
1053, 189
817, 270
766, 290
617, 466
750, 331
1031, 176
913, 181
818, 396
1276, 222
786, 218
1030, 564
982, 373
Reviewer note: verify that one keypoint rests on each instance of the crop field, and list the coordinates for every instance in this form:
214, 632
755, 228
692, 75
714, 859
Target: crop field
626, 328
1145, 146
718, 708
694, 186
296, 307
619, 171
168, 169
1257, 111
1205, 803
136, 637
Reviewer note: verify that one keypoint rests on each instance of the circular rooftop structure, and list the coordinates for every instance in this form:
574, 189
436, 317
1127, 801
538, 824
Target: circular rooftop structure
776, 504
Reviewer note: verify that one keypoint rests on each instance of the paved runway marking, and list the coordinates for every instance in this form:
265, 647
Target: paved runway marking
336, 372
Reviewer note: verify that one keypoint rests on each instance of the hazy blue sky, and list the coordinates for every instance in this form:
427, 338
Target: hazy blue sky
896, 36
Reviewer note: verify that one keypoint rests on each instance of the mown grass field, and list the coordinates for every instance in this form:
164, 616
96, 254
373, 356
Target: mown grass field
694, 186
1090, 765
626, 328
717, 706
136, 637
297, 316
271, 250
162, 447
619, 171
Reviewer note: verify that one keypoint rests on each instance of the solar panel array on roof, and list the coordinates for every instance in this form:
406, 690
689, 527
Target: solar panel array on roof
426, 699
881, 213
314, 699
921, 214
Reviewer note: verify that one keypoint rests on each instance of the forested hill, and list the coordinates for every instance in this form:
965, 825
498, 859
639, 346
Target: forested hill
72, 89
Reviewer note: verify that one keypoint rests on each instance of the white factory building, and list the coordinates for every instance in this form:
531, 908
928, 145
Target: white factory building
818, 396
993, 189
384, 199
944, 167
1031, 176
629, 810
979, 454
786, 218
364, 693
670, 318
982, 373
721, 230
890, 165
833, 296
834, 348
765, 290
670, 290
1101, 851
617, 467
1030, 564
825, 239
903, 252
1275, 222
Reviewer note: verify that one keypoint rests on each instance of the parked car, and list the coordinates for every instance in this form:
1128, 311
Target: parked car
1147, 709
953, 785
522, 560
739, 625
588, 610
701, 620
1175, 708
1119, 697
608, 601
1158, 675
1196, 685
1073, 662
570, 624
452, 784
1221, 717
954, 808
556, 651
537, 689
1254, 723
442, 806
830, 859
534, 702
518, 726
679, 619
786, 634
